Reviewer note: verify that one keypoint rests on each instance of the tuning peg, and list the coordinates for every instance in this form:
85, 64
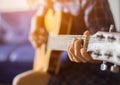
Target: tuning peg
103, 66
114, 68
111, 28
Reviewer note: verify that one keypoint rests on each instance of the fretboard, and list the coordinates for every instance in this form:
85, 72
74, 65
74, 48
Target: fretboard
61, 42
103, 45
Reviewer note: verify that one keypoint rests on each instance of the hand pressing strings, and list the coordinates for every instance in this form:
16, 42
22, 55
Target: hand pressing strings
77, 53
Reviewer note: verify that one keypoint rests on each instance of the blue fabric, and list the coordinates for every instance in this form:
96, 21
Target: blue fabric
15, 59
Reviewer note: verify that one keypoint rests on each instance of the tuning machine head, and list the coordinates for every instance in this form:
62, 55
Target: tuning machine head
103, 66
114, 68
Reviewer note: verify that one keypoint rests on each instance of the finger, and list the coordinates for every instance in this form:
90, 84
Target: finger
85, 55
77, 47
72, 45
84, 52
71, 52
73, 58
87, 33
76, 59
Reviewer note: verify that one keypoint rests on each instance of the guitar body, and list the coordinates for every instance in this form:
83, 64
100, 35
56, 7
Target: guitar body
60, 24
48, 60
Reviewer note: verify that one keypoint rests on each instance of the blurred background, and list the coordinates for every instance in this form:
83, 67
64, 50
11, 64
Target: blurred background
16, 52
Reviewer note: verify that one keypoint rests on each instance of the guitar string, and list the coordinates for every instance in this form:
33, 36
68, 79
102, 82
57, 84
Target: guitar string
71, 38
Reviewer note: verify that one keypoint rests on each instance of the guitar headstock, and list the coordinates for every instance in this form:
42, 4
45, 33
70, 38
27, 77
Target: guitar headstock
105, 46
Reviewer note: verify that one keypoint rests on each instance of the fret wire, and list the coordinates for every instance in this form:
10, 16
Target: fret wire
63, 41
71, 38
67, 38
55, 43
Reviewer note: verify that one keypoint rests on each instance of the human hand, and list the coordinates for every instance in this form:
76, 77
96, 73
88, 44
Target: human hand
76, 51
38, 33
38, 38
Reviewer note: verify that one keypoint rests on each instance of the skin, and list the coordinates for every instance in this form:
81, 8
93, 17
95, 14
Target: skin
77, 53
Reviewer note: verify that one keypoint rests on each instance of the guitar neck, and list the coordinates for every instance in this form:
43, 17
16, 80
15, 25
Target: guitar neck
61, 42
103, 45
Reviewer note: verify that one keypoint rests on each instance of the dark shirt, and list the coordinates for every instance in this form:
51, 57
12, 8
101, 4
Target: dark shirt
94, 15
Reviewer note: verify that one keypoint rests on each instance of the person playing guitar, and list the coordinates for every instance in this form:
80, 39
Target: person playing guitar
77, 16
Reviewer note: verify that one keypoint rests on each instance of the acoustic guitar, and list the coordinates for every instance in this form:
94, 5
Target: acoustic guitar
103, 45
47, 61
